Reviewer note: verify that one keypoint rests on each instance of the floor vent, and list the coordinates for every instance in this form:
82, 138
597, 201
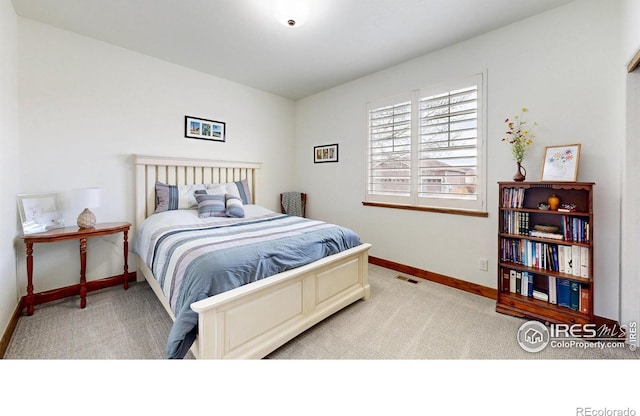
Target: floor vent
406, 279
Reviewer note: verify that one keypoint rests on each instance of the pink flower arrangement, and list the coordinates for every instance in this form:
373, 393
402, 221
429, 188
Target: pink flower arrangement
518, 136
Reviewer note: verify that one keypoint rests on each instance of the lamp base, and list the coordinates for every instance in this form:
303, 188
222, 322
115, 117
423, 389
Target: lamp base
86, 219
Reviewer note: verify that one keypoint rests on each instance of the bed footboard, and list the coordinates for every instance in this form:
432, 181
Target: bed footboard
254, 320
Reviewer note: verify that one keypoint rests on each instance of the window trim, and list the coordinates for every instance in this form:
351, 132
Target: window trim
413, 201
467, 212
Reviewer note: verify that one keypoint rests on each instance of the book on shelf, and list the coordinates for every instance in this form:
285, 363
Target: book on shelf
506, 285
543, 234
554, 257
584, 262
568, 262
575, 261
524, 284
574, 302
563, 292
552, 290
518, 282
584, 299
512, 281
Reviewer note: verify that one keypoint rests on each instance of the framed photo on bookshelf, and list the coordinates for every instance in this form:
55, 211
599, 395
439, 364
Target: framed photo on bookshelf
560, 163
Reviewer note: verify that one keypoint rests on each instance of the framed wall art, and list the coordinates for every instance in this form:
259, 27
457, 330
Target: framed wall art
325, 153
561, 163
200, 128
39, 212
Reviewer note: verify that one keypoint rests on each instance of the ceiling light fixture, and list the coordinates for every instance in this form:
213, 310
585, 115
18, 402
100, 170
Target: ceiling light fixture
292, 13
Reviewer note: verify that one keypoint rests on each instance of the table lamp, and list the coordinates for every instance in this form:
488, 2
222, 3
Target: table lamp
87, 198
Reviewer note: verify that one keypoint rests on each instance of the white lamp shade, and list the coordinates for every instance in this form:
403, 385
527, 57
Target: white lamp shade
87, 197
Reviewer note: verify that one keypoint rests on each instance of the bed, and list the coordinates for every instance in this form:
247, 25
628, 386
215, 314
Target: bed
258, 316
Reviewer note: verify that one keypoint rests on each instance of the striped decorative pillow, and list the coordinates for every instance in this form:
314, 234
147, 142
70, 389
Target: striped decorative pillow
171, 197
239, 189
211, 205
234, 206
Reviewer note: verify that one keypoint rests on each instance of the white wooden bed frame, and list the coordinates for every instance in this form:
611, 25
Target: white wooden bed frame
253, 320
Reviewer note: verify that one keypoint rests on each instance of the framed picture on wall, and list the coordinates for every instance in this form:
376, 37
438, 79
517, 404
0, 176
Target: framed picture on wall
561, 163
200, 128
39, 212
325, 153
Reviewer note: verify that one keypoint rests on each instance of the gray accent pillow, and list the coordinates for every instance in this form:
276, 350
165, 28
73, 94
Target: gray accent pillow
211, 205
234, 206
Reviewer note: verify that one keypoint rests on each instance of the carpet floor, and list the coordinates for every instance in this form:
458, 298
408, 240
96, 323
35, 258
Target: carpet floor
401, 320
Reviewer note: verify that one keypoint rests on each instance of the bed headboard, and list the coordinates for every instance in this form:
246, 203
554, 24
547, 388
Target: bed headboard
180, 171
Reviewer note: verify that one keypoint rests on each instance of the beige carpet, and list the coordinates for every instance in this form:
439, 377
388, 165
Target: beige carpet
401, 320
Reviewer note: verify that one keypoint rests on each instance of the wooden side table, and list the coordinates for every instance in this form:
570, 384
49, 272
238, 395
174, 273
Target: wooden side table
74, 233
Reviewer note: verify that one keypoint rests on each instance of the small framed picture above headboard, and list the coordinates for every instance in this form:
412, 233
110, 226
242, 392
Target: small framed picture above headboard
200, 128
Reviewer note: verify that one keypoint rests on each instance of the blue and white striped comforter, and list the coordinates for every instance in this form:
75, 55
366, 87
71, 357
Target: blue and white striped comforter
195, 261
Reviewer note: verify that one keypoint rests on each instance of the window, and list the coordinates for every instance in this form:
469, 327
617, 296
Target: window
426, 148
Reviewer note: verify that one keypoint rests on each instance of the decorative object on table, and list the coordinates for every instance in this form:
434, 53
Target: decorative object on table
543, 206
39, 212
560, 163
567, 207
325, 153
200, 128
519, 137
87, 198
553, 202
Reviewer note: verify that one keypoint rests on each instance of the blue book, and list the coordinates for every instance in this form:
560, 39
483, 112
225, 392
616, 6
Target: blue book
563, 292
529, 284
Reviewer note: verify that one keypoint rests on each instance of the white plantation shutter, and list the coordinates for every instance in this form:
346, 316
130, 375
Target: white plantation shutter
426, 148
390, 152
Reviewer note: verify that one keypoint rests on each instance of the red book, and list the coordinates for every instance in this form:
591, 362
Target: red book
584, 299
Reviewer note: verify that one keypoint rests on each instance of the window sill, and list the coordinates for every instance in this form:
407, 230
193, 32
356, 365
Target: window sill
428, 209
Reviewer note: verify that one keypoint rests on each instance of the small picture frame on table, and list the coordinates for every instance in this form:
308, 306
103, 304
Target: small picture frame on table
39, 212
200, 128
560, 163
325, 153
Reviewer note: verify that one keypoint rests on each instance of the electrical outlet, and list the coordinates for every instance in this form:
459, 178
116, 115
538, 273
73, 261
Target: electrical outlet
483, 264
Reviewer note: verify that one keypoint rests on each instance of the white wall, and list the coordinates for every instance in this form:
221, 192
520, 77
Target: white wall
9, 160
630, 273
87, 106
564, 65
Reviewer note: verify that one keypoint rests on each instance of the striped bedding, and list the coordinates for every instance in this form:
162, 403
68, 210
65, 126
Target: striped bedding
195, 260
